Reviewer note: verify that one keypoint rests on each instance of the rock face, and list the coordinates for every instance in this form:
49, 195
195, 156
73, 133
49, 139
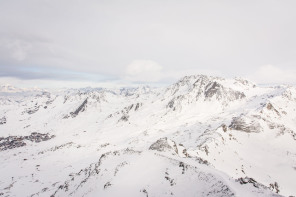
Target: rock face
212, 89
11, 142
31, 110
165, 144
138, 105
243, 124
248, 180
192, 89
269, 106
19, 141
3, 120
126, 111
218, 91
124, 118
81, 108
161, 145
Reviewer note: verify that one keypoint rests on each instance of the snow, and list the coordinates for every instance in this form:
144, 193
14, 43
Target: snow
99, 153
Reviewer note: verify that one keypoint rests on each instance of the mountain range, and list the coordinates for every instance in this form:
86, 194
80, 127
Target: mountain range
201, 136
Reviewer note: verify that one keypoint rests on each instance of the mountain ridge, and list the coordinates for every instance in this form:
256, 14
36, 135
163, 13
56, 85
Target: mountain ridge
232, 137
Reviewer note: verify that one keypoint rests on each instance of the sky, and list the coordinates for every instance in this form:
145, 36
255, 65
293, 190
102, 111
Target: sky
47, 43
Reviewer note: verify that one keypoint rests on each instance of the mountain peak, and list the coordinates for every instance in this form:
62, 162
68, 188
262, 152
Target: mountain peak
196, 136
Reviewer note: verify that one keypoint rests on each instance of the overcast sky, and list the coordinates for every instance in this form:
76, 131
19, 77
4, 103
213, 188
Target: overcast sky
95, 42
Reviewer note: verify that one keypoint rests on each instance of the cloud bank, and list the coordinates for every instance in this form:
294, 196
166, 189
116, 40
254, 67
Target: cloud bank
269, 74
146, 41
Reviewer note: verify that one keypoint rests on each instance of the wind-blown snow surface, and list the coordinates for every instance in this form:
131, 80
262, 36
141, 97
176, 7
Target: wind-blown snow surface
202, 136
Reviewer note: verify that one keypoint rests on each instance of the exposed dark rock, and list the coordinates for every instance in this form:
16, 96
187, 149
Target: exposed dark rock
224, 127
11, 142
125, 112
269, 106
248, 180
145, 192
129, 151
202, 161
138, 105
45, 189
245, 82
31, 110
219, 91
124, 118
121, 165
3, 120
81, 108
161, 145
66, 116
176, 103
49, 102
85, 174
183, 166
104, 145
57, 147
252, 181
171, 104
205, 88
213, 88
18, 141
65, 98
172, 182
206, 149
274, 187
185, 152
38, 137
108, 184
219, 190
240, 123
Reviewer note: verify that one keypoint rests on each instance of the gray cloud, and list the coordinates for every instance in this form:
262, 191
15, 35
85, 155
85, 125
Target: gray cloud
43, 73
105, 37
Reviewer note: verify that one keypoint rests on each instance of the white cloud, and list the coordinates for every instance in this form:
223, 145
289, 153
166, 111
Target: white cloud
149, 71
89, 38
143, 71
45, 83
270, 74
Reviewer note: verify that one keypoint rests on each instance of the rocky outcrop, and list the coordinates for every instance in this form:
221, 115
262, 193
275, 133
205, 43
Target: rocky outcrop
252, 181
164, 144
244, 124
124, 118
66, 145
201, 88
138, 105
78, 179
270, 107
273, 186
161, 145
11, 142
81, 108
244, 82
31, 110
3, 120
19, 141
176, 102
125, 112
219, 92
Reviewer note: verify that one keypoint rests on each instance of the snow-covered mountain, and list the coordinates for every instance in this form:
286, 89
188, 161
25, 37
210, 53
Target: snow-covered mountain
201, 136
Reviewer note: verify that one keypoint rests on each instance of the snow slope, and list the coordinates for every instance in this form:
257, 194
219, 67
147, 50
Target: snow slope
202, 136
